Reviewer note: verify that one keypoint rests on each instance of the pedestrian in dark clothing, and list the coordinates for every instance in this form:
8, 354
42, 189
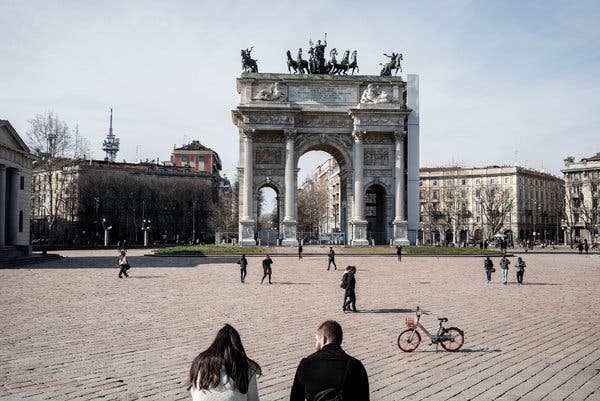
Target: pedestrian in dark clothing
350, 293
330, 372
123, 265
520, 267
331, 255
489, 269
266, 263
580, 247
243, 262
399, 253
300, 249
485, 244
586, 246
480, 244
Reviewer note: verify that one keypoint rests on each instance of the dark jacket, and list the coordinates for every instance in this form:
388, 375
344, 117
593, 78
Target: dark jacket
350, 282
325, 369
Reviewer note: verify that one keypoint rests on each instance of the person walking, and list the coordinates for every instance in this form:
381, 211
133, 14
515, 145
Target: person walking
223, 372
123, 265
350, 290
243, 262
520, 266
489, 268
300, 249
266, 263
330, 373
504, 262
331, 256
399, 253
586, 246
580, 247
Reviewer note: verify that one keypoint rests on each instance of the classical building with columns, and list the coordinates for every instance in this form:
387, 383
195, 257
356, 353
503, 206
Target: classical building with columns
368, 124
15, 186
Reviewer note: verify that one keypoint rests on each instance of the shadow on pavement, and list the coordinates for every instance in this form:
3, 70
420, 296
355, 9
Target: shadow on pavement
289, 283
541, 283
390, 310
99, 262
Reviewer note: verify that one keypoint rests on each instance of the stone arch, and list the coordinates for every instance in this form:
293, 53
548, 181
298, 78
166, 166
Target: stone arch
339, 151
376, 211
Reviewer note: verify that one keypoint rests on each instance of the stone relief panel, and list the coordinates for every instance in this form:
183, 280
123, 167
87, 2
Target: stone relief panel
271, 119
380, 120
268, 156
379, 138
274, 92
376, 157
311, 121
268, 137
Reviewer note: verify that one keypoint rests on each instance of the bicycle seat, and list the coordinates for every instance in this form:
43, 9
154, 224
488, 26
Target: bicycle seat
443, 319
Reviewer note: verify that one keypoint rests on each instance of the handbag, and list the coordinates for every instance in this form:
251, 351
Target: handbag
333, 394
493, 270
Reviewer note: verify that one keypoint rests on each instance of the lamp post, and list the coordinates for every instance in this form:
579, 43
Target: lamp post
533, 218
106, 230
193, 222
145, 229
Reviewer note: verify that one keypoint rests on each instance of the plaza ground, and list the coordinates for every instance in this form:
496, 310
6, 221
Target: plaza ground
71, 330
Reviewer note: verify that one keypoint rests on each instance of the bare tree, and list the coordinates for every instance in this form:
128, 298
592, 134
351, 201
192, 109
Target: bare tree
433, 218
496, 204
312, 207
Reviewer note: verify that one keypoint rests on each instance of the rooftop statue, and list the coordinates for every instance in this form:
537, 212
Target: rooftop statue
393, 64
248, 63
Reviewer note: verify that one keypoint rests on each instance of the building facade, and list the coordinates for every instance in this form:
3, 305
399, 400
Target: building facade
582, 198
15, 179
198, 158
469, 205
125, 196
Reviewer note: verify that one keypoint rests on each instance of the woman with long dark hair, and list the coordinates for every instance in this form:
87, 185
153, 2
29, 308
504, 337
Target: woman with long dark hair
223, 372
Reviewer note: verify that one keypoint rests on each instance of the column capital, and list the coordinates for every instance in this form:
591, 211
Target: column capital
289, 134
359, 136
248, 133
399, 136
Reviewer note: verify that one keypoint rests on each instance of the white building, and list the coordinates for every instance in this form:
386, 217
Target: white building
471, 204
15, 186
582, 193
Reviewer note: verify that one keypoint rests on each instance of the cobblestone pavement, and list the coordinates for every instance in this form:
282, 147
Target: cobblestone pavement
71, 330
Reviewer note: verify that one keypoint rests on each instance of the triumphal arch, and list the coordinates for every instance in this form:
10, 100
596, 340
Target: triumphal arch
369, 124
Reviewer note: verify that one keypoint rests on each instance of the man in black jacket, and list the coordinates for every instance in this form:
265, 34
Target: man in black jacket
330, 370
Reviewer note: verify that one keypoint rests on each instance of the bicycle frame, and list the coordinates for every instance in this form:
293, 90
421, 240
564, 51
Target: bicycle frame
434, 338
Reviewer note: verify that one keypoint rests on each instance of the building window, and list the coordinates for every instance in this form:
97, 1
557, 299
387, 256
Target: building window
463, 181
478, 181
478, 207
184, 158
420, 183
434, 194
21, 220
421, 194
434, 183
22, 182
478, 193
492, 180
506, 180
201, 159
478, 219
448, 182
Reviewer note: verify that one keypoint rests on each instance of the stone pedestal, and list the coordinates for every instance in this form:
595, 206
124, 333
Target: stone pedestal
359, 233
401, 232
247, 232
289, 233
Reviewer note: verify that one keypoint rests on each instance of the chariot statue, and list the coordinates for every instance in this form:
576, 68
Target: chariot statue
393, 64
248, 63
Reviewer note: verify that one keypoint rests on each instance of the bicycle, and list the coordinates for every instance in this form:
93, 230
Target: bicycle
451, 338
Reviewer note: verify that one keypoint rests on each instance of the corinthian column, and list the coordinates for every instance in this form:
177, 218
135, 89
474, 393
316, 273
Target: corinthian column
289, 220
400, 224
246, 225
359, 224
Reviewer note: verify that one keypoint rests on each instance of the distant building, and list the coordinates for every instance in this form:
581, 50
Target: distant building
60, 204
582, 199
459, 205
15, 179
198, 158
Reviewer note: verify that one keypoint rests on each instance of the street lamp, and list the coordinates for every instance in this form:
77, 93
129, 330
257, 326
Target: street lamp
106, 230
145, 229
533, 217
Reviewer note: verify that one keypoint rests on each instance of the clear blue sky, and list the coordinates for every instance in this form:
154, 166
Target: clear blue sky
501, 81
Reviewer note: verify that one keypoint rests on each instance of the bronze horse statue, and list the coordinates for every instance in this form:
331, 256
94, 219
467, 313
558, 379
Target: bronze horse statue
298, 65
248, 63
302, 64
342, 66
353, 63
393, 64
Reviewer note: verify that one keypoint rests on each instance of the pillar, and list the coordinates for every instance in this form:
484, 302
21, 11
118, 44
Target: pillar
359, 224
12, 208
400, 224
246, 226
2, 205
289, 223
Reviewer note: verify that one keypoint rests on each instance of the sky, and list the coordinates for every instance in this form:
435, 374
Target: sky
501, 82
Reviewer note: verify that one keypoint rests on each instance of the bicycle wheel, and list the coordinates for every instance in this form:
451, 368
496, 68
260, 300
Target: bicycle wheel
408, 344
453, 339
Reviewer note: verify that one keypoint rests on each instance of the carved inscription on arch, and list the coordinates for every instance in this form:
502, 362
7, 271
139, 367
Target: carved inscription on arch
269, 156
376, 157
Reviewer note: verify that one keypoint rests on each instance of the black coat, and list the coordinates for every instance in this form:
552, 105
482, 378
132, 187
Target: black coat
325, 369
